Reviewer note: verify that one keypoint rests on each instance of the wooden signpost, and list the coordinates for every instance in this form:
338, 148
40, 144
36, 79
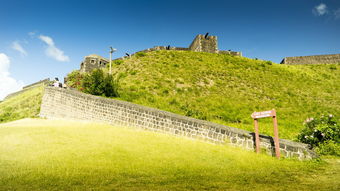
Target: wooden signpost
263, 114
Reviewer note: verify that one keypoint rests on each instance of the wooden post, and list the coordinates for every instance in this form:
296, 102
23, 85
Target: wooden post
257, 136
276, 135
263, 114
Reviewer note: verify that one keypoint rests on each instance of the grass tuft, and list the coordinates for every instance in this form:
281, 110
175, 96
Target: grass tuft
39, 154
23, 105
226, 89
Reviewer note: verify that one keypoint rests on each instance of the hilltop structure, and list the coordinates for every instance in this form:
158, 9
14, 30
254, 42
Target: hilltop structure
93, 61
201, 43
315, 59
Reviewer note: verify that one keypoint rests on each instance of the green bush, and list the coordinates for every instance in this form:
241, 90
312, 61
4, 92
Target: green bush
118, 62
140, 54
323, 133
74, 80
329, 147
115, 63
98, 83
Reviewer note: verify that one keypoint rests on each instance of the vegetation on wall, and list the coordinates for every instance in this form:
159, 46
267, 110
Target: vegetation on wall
74, 80
226, 89
96, 83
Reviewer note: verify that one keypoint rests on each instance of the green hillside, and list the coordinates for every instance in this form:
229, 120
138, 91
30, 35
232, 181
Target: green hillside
38, 154
25, 104
227, 89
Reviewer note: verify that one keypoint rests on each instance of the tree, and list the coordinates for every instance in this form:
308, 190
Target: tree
98, 83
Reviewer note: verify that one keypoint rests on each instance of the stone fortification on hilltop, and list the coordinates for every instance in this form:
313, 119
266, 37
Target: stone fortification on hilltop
93, 61
316, 59
201, 43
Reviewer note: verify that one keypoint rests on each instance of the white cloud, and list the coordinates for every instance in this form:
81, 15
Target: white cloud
31, 34
52, 51
17, 46
320, 10
7, 83
337, 13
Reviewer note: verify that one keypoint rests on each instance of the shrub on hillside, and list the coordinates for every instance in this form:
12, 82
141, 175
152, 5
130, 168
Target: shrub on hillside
98, 83
115, 63
140, 54
118, 62
74, 80
322, 133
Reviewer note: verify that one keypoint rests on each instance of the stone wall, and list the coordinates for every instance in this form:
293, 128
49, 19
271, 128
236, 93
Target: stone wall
202, 44
71, 104
93, 61
41, 82
316, 59
230, 52
163, 48
25, 88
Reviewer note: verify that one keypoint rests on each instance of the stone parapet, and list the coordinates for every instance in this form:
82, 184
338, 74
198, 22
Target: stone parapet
44, 82
316, 59
71, 104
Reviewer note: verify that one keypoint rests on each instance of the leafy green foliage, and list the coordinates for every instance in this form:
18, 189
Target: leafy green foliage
140, 54
115, 62
74, 80
322, 132
98, 83
329, 147
118, 62
95, 83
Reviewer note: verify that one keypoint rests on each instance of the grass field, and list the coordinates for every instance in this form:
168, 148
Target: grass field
227, 89
25, 104
38, 154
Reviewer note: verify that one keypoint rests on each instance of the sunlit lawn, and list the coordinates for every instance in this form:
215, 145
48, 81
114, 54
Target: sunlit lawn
38, 154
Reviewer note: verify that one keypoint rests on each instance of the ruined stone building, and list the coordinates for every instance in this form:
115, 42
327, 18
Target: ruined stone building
93, 61
204, 44
201, 43
316, 59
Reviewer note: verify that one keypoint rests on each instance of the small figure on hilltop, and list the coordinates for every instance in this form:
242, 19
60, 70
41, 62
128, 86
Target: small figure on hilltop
206, 35
57, 83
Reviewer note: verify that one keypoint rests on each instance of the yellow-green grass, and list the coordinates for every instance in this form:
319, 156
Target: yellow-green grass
25, 104
227, 89
39, 154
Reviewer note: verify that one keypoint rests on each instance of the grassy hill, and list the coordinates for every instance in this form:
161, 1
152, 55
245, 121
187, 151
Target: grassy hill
227, 89
38, 154
25, 104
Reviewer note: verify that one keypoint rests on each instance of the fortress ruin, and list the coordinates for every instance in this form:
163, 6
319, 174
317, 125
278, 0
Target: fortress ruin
201, 43
315, 59
93, 61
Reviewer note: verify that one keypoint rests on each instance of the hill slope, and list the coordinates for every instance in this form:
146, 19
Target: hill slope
25, 104
39, 154
227, 89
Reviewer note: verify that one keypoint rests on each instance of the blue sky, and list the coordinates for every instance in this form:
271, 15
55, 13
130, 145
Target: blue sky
49, 38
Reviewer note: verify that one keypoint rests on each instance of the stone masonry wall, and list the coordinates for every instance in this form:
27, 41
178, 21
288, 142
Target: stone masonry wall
317, 59
71, 104
202, 44
28, 87
230, 52
44, 82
